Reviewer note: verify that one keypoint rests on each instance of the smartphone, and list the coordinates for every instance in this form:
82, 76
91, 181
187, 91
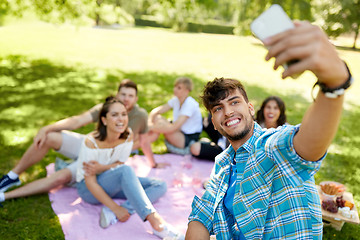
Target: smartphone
271, 22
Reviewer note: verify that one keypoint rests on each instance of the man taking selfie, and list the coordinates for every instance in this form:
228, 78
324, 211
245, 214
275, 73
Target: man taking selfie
262, 186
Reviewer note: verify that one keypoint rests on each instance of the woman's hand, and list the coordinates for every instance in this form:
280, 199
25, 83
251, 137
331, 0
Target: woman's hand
92, 168
121, 213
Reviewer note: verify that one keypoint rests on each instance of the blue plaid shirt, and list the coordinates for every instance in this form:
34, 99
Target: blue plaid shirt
275, 195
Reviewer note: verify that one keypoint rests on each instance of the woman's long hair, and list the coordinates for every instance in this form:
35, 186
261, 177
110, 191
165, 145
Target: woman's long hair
260, 113
101, 133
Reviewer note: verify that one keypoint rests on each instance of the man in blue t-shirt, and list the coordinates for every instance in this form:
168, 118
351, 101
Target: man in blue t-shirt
262, 186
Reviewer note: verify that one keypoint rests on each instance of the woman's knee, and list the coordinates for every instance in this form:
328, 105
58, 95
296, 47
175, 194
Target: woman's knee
195, 149
54, 140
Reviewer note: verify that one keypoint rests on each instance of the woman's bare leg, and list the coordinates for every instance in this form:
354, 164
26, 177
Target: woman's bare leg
155, 221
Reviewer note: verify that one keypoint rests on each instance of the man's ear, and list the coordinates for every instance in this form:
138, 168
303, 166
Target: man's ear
212, 120
251, 109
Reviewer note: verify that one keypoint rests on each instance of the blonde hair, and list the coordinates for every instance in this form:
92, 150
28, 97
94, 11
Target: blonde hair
186, 81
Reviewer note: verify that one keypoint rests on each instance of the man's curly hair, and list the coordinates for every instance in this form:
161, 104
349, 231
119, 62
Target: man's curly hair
218, 89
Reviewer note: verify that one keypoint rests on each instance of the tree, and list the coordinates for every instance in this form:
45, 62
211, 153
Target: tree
342, 17
247, 10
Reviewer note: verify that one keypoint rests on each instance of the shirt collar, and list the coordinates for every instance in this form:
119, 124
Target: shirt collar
248, 145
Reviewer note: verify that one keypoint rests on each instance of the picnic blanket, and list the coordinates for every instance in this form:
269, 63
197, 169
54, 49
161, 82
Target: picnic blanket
80, 220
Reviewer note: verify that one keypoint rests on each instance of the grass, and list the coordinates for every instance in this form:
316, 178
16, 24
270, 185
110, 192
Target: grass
51, 72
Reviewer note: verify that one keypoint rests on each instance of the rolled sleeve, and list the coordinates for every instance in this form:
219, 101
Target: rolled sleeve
201, 213
280, 147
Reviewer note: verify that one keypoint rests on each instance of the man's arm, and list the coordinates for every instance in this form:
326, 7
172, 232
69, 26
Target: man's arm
70, 123
310, 45
197, 231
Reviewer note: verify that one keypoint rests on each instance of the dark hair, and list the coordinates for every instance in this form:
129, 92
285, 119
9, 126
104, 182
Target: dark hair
101, 133
128, 84
218, 89
260, 113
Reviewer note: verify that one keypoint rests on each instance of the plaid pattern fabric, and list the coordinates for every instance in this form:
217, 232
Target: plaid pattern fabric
275, 195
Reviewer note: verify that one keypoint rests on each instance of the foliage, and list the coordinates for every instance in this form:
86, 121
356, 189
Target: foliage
247, 10
210, 28
341, 17
337, 16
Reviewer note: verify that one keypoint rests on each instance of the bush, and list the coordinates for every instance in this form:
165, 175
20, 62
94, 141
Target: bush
210, 28
148, 23
191, 26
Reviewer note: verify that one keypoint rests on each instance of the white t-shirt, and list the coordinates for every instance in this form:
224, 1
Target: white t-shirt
103, 156
190, 108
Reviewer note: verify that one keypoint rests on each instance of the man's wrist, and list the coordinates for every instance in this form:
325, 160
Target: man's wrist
337, 91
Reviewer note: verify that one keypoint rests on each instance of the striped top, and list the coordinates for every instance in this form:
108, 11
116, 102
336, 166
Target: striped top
275, 195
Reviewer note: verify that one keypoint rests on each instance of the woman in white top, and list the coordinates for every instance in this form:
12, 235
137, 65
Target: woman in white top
102, 176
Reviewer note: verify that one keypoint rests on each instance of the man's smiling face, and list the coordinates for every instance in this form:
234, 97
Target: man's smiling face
233, 118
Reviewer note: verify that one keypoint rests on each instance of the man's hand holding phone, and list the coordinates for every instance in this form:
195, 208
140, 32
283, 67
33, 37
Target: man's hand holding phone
298, 46
271, 22
310, 45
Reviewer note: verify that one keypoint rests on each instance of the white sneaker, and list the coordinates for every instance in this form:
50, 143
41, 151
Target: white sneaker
107, 217
169, 232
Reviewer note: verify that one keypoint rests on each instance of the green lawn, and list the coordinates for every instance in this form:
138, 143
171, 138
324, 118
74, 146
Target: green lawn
51, 72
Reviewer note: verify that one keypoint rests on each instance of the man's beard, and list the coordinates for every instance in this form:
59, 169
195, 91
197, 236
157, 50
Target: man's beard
239, 135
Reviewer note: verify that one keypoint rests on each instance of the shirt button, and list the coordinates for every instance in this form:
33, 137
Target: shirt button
236, 227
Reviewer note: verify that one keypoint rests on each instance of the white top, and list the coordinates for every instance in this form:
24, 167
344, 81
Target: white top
189, 108
103, 156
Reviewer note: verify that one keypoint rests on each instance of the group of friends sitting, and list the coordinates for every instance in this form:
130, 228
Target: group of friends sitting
262, 184
122, 127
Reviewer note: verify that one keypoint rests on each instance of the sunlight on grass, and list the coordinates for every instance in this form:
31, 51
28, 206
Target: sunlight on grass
6, 81
23, 112
18, 136
36, 171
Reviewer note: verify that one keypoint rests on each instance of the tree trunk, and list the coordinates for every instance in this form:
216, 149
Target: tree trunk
356, 35
97, 12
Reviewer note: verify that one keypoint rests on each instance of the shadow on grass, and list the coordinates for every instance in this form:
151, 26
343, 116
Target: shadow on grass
38, 92
347, 48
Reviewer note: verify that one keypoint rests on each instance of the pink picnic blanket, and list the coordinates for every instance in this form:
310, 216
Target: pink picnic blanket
80, 220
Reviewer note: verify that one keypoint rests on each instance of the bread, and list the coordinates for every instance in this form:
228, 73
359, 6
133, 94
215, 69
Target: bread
332, 188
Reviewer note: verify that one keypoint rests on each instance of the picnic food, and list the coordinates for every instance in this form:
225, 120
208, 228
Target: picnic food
329, 205
349, 204
341, 205
332, 188
346, 212
340, 202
